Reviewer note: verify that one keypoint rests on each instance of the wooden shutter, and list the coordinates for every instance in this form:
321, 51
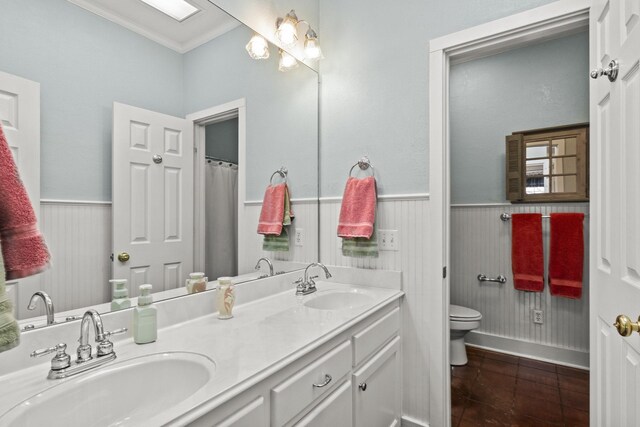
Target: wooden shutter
514, 167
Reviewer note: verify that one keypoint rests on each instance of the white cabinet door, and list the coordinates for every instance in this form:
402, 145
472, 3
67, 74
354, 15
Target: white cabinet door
376, 389
335, 411
615, 206
152, 197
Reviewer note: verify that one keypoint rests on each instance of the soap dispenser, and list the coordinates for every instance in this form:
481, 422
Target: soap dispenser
120, 294
145, 319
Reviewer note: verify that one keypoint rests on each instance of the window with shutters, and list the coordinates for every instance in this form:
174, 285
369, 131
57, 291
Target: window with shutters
548, 165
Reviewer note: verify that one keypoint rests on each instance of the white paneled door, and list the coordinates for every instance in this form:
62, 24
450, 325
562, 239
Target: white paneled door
615, 207
152, 198
20, 118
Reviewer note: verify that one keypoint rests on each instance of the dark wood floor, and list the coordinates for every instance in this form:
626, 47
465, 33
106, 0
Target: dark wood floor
496, 389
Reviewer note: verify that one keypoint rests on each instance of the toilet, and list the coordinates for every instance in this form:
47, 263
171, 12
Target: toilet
461, 321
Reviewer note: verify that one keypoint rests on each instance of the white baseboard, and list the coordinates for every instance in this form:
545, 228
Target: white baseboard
411, 422
559, 356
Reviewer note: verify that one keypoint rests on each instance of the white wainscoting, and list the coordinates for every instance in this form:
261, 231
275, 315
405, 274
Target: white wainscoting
79, 238
410, 216
306, 219
78, 235
481, 243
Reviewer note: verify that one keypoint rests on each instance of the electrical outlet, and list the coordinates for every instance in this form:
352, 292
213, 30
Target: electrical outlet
388, 240
538, 317
299, 237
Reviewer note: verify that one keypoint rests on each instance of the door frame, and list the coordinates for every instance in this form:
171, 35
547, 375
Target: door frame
547, 22
201, 119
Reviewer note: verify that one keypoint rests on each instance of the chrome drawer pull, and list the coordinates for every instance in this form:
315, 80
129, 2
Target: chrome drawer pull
363, 386
327, 380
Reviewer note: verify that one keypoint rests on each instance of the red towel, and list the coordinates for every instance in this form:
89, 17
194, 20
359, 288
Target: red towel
272, 213
566, 255
23, 247
526, 252
358, 210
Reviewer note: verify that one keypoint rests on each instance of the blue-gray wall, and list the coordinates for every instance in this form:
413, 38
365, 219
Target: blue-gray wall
281, 108
534, 87
83, 64
222, 140
375, 83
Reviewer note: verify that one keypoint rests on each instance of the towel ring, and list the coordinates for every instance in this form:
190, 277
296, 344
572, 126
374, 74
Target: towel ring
283, 172
364, 163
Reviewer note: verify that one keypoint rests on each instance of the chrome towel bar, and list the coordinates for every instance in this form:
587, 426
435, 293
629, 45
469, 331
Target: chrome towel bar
506, 216
499, 279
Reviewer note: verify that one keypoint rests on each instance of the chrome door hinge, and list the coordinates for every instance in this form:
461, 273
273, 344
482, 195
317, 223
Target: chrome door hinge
444, 272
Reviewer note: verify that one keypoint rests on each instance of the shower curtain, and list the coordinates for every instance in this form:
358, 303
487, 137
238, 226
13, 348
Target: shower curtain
221, 225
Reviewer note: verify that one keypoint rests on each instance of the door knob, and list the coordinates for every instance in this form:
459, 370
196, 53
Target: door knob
123, 257
611, 71
626, 326
363, 386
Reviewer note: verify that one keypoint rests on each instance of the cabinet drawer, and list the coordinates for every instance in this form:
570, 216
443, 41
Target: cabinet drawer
375, 336
293, 395
335, 411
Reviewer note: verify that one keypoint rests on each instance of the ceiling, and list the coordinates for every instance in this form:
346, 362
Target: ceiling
205, 25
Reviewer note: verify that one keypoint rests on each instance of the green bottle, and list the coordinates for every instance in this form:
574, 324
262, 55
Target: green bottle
145, 319
120, 294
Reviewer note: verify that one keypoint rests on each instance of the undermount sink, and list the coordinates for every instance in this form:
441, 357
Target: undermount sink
126, 393
338, 300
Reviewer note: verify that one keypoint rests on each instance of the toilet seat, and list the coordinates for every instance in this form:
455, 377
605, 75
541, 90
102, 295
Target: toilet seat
463, 314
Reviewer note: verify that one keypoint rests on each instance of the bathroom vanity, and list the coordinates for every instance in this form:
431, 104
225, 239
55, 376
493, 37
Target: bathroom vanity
328, 358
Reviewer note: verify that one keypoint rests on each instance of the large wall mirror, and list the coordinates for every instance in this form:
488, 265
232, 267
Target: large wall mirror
156, 152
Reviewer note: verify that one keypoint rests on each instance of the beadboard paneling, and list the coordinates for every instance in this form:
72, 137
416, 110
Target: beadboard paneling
481, 243
411, 219
79, 239
306, 219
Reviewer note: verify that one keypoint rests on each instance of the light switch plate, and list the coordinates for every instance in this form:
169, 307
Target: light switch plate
299, 237
388, 240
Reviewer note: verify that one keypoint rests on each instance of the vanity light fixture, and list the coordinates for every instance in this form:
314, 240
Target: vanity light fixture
258, 47
287, 29
177, 9
287, 33
287, 62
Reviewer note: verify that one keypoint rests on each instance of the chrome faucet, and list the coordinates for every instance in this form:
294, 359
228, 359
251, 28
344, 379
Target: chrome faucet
84, 349
48, 305
61, 366
269, 263
307, 286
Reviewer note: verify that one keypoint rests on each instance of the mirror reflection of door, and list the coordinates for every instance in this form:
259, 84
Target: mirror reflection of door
152, 198
221, 198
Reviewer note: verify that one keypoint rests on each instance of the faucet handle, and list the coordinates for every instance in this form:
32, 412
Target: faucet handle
301, 286
60, 361
115, 332
105, 347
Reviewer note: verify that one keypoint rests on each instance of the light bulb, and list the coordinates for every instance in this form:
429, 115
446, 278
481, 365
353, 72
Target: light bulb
312, 49
287, 62
287, 31
258, 47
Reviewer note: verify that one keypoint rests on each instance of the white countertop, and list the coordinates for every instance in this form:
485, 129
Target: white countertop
264, 336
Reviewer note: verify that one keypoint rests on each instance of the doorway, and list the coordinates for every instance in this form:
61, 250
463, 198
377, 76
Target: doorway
220, 147
531, 347
523, 29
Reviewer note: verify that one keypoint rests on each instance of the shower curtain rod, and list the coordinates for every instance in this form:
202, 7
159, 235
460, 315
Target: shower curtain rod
220, 160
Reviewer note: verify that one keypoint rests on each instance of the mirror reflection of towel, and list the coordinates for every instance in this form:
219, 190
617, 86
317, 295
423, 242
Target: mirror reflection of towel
23, 247
9, 330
